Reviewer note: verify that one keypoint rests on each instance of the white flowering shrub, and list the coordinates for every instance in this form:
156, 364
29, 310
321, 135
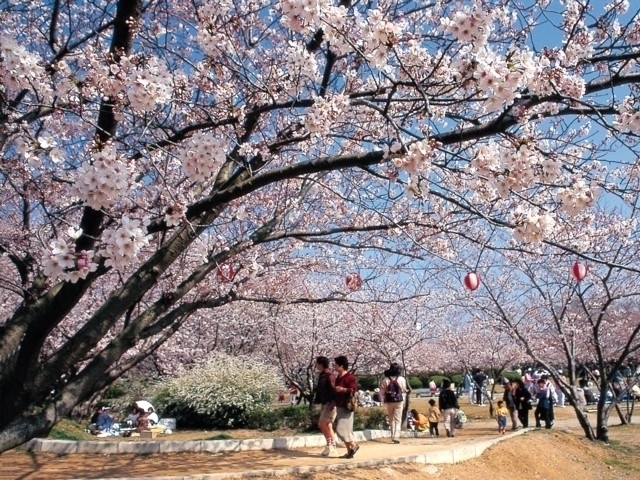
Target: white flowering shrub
221, 393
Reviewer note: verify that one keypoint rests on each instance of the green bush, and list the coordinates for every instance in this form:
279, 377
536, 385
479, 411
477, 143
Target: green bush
424, 379
438, 379
457, 379
414, 382
368, 382
116, 390
372, 418
296, 417
221, 393
512, 376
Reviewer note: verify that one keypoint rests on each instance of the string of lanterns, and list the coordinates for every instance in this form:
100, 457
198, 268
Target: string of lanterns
471, 280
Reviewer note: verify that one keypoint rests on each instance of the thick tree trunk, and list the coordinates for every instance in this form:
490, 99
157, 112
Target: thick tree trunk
24, 428
572, 396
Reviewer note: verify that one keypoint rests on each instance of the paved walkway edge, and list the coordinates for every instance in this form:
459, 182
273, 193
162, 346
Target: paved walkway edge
455, 454
447, 456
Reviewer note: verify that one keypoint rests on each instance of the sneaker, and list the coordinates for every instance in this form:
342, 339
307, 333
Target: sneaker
448, 433
395, 441
326, 451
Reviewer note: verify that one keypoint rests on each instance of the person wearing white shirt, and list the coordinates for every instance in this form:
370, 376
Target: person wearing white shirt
152, 417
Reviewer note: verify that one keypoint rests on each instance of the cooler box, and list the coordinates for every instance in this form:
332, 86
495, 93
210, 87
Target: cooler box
168, 422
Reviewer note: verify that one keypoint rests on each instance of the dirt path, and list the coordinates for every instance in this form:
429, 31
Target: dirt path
561, 453
47, 466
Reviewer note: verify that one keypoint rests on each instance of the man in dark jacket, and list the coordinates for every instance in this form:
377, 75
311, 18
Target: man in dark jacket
510, 402
448, 403
325, 396
478, 380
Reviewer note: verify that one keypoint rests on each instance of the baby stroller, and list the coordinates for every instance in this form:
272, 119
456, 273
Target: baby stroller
461, 419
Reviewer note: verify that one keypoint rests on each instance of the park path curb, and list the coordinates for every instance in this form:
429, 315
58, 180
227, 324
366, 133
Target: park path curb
456, 453
66, 447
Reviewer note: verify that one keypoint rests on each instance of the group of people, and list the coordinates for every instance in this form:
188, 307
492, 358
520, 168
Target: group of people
142, 419
104, 423
519, 397
336, 391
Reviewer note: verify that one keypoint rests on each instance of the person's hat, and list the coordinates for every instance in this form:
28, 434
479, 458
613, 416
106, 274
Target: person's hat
559, 370
505, 380
376, 390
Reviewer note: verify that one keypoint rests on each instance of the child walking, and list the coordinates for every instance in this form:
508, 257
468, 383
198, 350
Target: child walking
434, 418
501, 416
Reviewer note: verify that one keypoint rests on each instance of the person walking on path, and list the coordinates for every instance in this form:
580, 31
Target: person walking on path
448, 404
522, 397
510, 403
393, 389
345, 386
501, 416
543, 408
434, 418
325, 397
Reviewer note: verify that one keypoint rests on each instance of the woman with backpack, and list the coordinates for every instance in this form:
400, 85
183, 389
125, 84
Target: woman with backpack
392, 391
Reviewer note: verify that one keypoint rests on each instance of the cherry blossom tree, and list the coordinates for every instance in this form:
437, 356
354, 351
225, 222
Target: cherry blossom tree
561, 322
163, 160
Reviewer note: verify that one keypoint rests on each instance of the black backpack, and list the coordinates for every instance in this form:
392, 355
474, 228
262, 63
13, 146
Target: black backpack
393, 392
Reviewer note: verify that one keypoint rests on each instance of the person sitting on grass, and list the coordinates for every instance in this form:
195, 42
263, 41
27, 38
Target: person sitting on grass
152, 416
419, 420
104, 422
143, 421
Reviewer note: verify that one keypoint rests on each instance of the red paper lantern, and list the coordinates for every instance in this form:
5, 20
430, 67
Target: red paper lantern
579, 271
225, 273
471, 281
353, 281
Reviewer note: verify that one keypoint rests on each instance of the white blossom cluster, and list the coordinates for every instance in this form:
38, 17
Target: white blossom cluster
64, 263
417, 159
149, 86
577, 198
19, 68
325, 112
469, 24
629, 119
509, 168
299, 61
299, 15
145, 82
378, 37
102, 181
122, 245
582, 40
500, 80
532, 225
202, 154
